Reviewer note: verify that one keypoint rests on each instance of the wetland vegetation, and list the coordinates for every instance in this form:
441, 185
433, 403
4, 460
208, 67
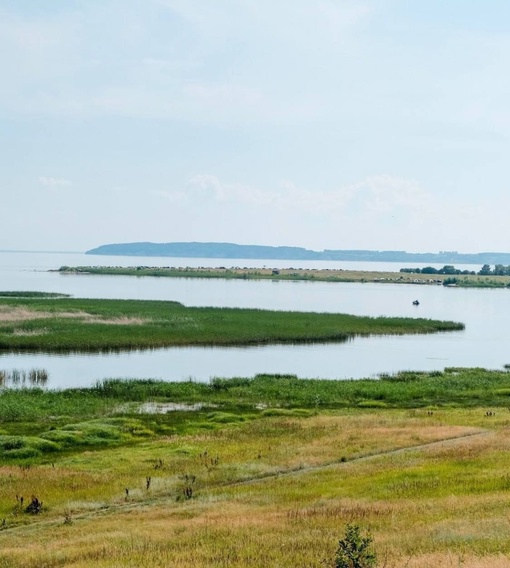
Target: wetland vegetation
30, 294
71, 324
263, 471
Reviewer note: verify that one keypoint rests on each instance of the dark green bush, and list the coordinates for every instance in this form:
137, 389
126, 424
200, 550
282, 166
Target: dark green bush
355, 550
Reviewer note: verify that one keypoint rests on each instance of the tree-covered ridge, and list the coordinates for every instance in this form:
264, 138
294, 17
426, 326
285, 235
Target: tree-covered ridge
232, 250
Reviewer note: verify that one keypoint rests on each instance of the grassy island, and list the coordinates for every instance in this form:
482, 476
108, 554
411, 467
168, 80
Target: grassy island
263, 471
299, 274
70, 324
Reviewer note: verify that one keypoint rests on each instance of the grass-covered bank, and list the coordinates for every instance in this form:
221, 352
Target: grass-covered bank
61, 324
267, 472
115, 410
299, 274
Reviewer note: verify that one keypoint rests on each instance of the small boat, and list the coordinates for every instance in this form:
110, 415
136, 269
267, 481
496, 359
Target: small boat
416, 303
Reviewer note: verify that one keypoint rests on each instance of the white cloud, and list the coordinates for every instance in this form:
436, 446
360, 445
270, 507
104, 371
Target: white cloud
54, 183
171, 196
374, 196
284, 20
222, 62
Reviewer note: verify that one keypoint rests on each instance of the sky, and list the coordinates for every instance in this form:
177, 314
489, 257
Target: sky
325, 124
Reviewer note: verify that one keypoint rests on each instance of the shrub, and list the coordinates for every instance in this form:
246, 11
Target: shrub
354, 550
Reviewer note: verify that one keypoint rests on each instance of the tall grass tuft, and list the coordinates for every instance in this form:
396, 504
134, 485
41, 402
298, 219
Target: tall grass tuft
23, 377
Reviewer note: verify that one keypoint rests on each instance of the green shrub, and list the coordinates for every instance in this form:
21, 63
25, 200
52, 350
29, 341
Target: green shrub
354, 550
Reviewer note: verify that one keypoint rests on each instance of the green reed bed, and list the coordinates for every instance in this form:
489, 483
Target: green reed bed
269, 394
407, 389
69, 324
111, 412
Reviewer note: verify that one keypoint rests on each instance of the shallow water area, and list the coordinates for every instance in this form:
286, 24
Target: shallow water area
483, 343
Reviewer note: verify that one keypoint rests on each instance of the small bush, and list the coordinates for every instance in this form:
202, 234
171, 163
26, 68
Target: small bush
34, 507
354, 550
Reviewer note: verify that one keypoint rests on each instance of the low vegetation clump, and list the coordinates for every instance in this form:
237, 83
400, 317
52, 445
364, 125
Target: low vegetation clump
70, 324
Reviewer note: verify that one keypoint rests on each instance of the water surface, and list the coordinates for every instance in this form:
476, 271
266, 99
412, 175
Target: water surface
483, 343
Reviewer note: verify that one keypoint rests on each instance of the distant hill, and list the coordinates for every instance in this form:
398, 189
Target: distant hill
206, 250
234, 251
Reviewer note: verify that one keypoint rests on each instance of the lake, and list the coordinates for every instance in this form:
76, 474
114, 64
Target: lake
484, 342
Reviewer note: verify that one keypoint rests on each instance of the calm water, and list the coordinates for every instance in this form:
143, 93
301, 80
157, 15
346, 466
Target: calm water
484, 342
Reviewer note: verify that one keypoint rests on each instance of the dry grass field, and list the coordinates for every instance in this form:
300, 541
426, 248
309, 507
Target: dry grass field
431, 486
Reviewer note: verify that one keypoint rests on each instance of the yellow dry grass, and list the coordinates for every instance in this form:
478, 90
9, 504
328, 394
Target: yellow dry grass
30, 332
14, 314
433, 491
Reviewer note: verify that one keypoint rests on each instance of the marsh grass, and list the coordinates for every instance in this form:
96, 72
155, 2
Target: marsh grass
70, 324
412, 389
277, 395
23, 377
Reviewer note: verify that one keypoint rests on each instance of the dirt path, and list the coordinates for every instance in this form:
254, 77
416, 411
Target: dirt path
339, 463
161, 499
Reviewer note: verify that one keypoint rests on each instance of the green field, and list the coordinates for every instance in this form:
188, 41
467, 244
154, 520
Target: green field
265, 471
69, 324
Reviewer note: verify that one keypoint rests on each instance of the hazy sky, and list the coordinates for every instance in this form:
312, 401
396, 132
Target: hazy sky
379, 124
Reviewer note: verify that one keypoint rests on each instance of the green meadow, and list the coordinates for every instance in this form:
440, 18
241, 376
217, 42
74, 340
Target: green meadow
262, 471
71, 324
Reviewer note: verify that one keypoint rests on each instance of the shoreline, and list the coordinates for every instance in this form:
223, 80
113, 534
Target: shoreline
297, 274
